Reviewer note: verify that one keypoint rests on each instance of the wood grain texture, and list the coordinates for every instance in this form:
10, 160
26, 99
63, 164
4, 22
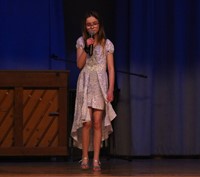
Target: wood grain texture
33, 113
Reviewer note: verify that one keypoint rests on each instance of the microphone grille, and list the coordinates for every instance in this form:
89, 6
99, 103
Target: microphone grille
91, 32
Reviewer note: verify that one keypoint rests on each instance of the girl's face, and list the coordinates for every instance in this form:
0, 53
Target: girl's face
92, 25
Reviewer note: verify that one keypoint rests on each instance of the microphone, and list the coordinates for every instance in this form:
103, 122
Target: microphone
91, 46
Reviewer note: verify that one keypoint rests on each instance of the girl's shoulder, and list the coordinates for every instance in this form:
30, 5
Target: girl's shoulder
80, 42
109, 46
108, 41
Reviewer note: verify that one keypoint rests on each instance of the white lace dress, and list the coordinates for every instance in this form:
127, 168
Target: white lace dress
92, 86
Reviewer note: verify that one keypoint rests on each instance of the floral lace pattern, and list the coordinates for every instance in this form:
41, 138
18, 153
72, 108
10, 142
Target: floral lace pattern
91, 91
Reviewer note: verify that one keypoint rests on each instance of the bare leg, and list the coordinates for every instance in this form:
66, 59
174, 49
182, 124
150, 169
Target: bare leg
86, 140
97, 123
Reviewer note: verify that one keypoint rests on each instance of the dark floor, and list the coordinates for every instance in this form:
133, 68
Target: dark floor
54, 167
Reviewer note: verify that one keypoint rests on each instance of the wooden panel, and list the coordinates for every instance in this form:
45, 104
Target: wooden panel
30, 151
63, 110
33, 112
6, 117
47, 79
37, 120
18, 117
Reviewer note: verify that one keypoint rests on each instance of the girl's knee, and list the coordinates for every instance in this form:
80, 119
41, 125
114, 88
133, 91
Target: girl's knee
87, 125
97, 125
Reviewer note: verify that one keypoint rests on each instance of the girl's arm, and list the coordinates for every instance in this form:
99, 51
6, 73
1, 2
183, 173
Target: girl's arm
111, 77
81, 57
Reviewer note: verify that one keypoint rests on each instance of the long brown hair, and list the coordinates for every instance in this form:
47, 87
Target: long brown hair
101, 33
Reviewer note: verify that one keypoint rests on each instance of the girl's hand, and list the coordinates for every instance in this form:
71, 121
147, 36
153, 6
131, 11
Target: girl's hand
110, 96
89, 41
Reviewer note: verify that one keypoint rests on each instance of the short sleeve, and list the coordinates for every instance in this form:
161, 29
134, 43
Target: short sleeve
80, 43
109, 46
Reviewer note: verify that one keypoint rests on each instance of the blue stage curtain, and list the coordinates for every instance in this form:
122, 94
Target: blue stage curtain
159, 39
30, 32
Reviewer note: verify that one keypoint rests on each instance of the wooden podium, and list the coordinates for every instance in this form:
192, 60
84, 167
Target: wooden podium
33, 113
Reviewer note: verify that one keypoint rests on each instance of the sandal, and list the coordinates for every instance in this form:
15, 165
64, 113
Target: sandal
96, 166
84, 163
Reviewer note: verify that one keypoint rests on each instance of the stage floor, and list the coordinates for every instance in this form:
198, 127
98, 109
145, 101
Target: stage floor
112, 167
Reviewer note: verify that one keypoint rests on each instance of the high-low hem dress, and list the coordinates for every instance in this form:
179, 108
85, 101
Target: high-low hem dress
92, 86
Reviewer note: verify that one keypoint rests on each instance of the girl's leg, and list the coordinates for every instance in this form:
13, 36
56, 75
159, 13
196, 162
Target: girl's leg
85, 141
97, 124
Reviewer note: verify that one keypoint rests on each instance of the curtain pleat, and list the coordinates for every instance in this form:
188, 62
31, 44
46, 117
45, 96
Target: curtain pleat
163, 109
